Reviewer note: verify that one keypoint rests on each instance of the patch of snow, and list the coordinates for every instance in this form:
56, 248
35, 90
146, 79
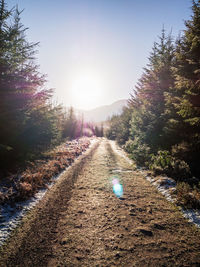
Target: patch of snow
120, 171
11, 215
166, 186
192, 215
149, 178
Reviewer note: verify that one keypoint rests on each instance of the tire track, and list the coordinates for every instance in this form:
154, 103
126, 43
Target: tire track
31, 244
82, 223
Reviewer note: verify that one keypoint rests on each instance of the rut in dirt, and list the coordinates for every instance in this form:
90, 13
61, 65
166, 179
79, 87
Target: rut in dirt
82, 222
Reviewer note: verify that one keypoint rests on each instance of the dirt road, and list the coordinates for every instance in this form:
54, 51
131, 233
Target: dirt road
82, 223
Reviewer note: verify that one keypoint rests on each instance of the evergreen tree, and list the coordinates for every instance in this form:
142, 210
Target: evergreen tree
26, 118
119, 126
184, 100
70, 125
148, 101
102, 130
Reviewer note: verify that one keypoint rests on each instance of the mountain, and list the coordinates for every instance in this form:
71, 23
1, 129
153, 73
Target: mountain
103, 112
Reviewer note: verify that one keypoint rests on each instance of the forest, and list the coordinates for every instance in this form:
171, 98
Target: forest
119, 192
160, 127
30, 120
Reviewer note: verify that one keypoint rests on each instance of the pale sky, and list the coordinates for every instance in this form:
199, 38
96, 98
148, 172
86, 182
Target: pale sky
93, 51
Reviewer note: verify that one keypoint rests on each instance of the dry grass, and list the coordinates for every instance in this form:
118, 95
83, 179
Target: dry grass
39, 173
187, 196
80, 222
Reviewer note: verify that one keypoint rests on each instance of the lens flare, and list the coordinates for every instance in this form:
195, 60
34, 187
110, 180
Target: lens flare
117, 188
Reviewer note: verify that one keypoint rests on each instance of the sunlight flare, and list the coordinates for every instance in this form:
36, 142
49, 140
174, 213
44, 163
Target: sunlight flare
87, 89
117, 188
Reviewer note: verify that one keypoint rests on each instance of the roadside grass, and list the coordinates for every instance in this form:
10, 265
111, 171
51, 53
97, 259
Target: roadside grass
187, 188
44, 217
166, 164
21, 186
96, 228
188, 196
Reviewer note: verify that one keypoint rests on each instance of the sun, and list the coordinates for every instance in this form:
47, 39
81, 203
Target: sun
87, 90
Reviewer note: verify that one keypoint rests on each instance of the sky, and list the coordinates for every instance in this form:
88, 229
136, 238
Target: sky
94, 51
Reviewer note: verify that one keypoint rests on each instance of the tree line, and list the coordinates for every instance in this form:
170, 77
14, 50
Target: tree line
160, 127
29, 121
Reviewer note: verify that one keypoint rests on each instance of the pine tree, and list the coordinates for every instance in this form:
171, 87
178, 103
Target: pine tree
70, 124
184, 100
119, 126
26, 118
148, 100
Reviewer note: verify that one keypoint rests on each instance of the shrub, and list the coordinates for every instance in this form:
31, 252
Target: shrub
164, 163
41, 171
189, 152
140, 153
25, 190
187, 196
180, 151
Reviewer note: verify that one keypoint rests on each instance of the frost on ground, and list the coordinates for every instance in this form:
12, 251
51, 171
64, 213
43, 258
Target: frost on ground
165, 185
12, 214
81, 222
192, 215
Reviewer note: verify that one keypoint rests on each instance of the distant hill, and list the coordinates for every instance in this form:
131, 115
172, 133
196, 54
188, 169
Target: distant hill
103, 112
